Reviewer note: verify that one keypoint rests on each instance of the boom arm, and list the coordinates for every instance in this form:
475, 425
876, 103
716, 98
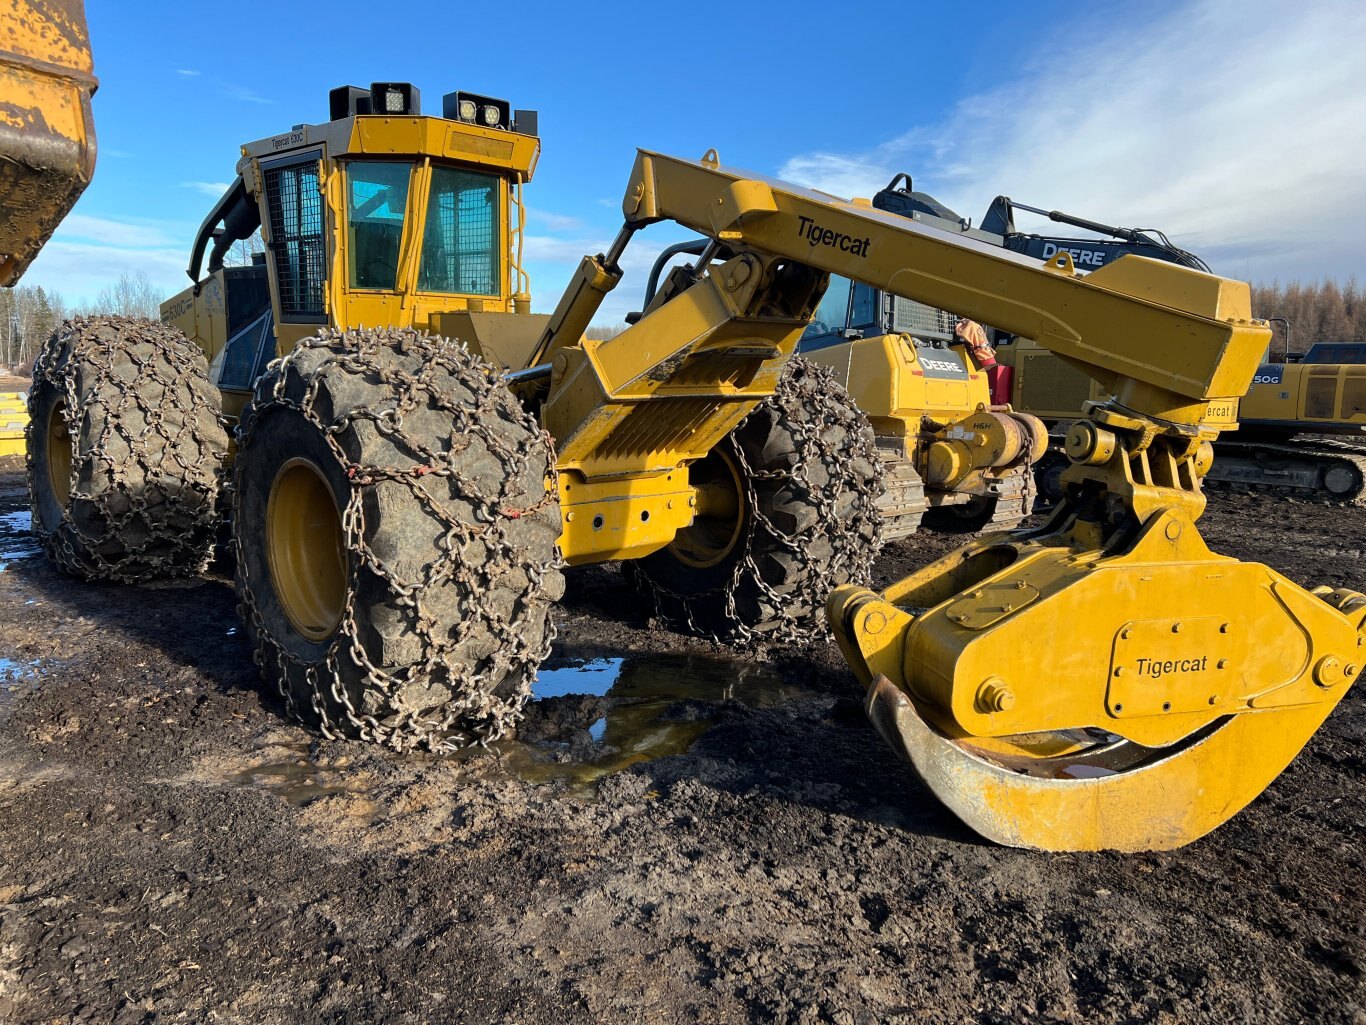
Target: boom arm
1103, 681
1169, 342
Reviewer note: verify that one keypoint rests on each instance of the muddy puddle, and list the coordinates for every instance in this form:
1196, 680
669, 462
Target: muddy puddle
16, 538
18, 677
590, 718
289, 772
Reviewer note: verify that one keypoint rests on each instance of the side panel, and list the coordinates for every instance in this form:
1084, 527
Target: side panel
1048, 386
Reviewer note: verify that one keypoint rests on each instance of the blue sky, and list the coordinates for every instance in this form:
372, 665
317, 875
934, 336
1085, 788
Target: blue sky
1238, 126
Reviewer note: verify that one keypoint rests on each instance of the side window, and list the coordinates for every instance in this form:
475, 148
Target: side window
296, 238
833, 311
863, 311
377, 200
461, 241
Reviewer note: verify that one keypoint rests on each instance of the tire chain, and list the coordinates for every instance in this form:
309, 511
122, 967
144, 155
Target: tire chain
148, 416
811, 403
478, 716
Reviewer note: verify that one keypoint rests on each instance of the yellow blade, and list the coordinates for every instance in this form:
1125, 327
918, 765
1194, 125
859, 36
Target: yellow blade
1178, 795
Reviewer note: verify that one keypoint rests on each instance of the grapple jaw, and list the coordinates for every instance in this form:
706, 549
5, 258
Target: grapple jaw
1078, 688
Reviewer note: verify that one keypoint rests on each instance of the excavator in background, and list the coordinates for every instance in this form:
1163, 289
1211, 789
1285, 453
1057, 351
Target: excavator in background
47, 144
1322, 394
951, 458
403, 503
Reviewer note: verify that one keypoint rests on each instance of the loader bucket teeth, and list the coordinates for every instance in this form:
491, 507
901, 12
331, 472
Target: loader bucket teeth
1114, 796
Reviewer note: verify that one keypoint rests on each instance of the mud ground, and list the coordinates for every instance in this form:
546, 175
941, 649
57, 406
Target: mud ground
173, 850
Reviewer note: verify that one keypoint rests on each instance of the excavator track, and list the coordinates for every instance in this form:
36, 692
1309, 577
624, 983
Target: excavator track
1319, 468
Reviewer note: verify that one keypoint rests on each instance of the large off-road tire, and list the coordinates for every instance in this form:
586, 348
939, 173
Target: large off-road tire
125, 450
395, 536
787, 513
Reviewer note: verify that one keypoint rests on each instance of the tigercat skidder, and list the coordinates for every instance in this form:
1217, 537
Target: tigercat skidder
402, 504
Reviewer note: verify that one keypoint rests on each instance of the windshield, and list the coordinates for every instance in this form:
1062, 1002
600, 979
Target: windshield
460, 247
377, 199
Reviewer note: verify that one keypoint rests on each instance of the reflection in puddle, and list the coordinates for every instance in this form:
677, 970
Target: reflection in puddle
16, 538
656, 706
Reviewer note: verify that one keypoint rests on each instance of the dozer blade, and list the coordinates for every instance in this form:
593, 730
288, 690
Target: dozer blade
1067, 699
1054, 794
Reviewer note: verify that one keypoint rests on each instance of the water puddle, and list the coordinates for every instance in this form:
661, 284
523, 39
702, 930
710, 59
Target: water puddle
16, 538
295, 777
17, 678
650, 707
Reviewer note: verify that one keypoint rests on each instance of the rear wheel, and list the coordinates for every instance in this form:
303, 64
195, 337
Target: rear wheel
396, 557
125, 449
786, 512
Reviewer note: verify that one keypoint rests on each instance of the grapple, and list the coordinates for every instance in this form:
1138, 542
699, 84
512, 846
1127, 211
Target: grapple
1105, 681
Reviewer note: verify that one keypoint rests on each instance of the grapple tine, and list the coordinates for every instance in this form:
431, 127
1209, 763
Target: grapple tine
1164, 802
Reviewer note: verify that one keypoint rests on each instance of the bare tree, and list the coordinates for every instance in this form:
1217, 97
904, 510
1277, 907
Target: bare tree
244, 250
133, 295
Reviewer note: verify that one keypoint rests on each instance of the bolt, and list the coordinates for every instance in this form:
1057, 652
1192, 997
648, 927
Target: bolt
1351, 669
1007, 607
1173, 531
1223, 628
977, 593
994, 696
569, 516
1119, 670
1328, 671
1214, 699
1221, 664
1176, 628
1020, 585
1166, 706
1118, 709
1124, 634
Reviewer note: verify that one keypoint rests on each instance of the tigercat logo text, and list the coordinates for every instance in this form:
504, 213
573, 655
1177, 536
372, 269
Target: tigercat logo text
815, 235
1158, 669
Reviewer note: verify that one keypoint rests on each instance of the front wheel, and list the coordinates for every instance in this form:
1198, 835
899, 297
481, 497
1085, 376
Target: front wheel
396, 558
786, 512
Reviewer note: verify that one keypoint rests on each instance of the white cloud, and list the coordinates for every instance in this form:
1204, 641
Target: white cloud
1237, 126
188, 72
79, 270
241, 92
546, 221
104, 230
214, 189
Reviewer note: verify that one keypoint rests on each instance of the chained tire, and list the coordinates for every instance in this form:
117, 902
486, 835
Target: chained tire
786, 513
125, 450
396, 539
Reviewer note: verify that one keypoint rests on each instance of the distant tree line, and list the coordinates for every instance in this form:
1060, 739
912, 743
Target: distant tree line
29, 314
1318, 312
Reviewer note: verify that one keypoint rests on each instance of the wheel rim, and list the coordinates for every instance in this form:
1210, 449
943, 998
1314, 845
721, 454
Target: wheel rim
719, 520
59, 454
306, 549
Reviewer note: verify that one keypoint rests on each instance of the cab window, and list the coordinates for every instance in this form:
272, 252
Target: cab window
377, 200
863, 310
833, 311
460, 246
